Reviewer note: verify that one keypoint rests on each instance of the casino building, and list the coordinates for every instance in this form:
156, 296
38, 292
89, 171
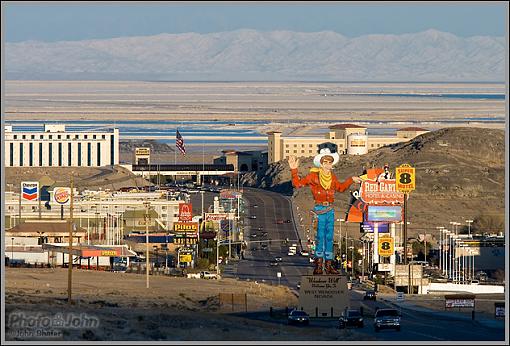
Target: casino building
56, 147
350, 139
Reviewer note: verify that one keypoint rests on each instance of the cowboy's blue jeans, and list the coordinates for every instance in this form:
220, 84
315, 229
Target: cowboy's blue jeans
325, 233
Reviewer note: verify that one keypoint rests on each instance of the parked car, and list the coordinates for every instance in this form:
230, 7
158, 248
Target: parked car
279, 222
387, 318
298, 317
253, 216
304, 253
287, 221
350, 318
278, 259
370, 295
298, 286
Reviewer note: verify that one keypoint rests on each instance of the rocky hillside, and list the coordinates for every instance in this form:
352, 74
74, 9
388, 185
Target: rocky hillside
460, 175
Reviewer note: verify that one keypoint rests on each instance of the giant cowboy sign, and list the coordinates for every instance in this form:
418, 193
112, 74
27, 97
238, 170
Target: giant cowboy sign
323, 184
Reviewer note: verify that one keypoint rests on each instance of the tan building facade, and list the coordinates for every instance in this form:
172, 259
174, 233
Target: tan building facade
351, 140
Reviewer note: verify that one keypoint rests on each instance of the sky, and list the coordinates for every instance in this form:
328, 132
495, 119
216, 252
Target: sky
52, 22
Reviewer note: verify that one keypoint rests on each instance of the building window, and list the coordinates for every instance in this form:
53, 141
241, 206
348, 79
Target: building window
98, 154
295, 145
89, 154
112, 150
103, 136
32, 136
50, 136
21, 154
59, 137
41, 137
24, 137
295, 151
372, 145
286, 145
68, 137
286, 151
69, 151
79, 154
15, 136
94, 136
31, 154
40, 154
86, 136
60, 154
302, 151
310, 152
310, 145
50, 154
11, 159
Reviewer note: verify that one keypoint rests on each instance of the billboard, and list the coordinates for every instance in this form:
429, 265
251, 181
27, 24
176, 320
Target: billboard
380, 213
368, 227
30, 190
383, 191
191, 227
215, 216
185, 212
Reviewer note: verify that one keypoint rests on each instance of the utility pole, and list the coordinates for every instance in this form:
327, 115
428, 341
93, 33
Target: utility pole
146, 204
469, 227
409, 283
70, 257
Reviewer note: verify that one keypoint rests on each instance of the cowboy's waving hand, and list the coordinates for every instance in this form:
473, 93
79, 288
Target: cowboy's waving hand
293, 162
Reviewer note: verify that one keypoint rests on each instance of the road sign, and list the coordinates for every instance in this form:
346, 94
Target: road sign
400, 296
386, 247
405, 178
278, 274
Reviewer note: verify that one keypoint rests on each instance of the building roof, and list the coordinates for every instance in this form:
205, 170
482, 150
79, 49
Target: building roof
44, 227
346, 126
234, 152
412, 129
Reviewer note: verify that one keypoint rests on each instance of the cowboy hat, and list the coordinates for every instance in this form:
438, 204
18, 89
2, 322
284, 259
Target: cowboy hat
325, 152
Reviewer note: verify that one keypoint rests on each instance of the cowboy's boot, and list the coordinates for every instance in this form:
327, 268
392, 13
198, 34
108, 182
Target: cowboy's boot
330, 270
318, 266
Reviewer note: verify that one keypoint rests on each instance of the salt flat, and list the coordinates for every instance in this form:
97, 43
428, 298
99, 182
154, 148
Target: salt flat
283, 105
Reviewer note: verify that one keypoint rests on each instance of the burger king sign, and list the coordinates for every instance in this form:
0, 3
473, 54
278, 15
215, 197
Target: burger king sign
62, 195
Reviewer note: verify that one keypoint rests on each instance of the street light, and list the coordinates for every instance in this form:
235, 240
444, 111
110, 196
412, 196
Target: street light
147, 205
469, 227
12, 248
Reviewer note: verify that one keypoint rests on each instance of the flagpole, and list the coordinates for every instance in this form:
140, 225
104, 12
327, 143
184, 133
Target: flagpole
175, 150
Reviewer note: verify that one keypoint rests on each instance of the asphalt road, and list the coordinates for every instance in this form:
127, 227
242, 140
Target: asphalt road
268, 208
417, 324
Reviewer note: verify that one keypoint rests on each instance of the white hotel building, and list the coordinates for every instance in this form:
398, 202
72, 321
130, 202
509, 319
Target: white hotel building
55, 147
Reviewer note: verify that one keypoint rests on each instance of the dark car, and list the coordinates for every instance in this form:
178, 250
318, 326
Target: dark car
298, 317
387, 318
350, 318
273, 263
369, 295
287, 221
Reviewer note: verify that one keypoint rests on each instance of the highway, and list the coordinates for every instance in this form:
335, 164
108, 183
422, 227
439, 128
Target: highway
417, 324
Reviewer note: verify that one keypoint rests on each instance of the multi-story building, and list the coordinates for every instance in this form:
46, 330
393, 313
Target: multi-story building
350, 139
56, 147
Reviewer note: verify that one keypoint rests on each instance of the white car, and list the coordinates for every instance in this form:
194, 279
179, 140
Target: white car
304, 253
291, 253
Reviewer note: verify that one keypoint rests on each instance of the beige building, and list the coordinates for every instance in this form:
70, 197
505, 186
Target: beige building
350, 139
243, 161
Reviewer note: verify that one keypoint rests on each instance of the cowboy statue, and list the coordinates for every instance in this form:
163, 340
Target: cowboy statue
323, 184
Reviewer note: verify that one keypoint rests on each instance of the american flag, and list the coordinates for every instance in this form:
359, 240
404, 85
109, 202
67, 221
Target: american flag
179, 143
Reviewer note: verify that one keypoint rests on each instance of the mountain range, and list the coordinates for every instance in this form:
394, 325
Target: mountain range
250, 55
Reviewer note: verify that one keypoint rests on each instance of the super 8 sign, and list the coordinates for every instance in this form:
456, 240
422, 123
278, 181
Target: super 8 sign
385, 246
405, 178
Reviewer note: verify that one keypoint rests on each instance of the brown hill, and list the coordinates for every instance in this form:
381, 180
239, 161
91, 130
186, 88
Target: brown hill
460, 175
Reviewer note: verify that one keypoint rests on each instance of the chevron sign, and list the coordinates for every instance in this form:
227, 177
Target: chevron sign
30, 190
